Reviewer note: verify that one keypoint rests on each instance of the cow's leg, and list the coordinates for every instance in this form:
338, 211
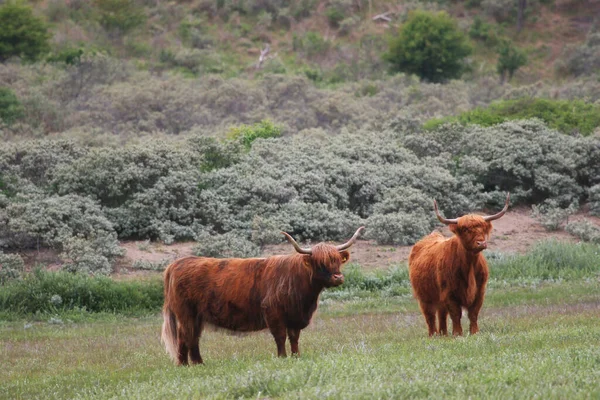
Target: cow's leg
473, 311
195, 356
428, 311
278, 331
294, 335
442, 314
183, 338
455, 311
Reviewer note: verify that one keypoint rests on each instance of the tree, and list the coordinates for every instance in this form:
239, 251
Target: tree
21, 33
510, 59
429, 45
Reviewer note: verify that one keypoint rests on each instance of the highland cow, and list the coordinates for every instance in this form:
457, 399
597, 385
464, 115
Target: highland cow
243, 295
448, 275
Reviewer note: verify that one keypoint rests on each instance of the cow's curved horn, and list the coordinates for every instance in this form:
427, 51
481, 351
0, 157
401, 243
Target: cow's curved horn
351, 241
501, 213
296, 246
442, 219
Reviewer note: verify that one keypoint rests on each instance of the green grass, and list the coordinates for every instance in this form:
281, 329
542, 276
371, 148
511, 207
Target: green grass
535, 343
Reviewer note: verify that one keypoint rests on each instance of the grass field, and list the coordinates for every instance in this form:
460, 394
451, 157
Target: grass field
537, 341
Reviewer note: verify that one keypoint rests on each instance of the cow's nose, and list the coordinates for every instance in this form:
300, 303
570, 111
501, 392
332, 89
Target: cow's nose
338, 277
482, 244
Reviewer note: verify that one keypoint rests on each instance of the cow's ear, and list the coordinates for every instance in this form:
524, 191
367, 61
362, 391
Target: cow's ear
306, 261
455, 229
345, 256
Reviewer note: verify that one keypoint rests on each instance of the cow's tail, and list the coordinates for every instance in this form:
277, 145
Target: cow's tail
168, 335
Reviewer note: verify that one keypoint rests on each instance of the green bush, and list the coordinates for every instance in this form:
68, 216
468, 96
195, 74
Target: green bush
52, 292
334, 15
429, 45
483, 31
510, 59
567, 116
247, 134
21, 33
11, 108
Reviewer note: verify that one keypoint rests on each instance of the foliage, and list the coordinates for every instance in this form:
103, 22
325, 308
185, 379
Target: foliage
430, 46
551, 216
483, 31
11, 108
501, 10
584, 59
246, 134
21, 33
510, 59
11, 267
584, 230
71, 224
121, 16
227, 245
571, 117
67, 56
34, 294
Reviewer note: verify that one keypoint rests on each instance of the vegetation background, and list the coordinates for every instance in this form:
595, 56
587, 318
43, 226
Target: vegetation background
148, 123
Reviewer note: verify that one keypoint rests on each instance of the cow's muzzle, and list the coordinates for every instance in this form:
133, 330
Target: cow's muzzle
481, 245
337, 279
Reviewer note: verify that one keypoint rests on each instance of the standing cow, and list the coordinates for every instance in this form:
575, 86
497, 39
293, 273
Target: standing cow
448, 275
243, 295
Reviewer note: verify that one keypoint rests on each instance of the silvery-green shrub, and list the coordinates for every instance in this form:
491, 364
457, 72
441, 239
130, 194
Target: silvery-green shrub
11, 267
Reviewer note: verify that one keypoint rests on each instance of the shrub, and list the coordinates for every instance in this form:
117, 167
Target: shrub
21, 33
71, 224
334, 15
11, 108
227, 245
510, 59
595, 200
501, 10
567, 116
483, 31
584, 59
584, 230
120, 16
429, 45
246, 134
11, 267
67, 56
551, 215
531, 161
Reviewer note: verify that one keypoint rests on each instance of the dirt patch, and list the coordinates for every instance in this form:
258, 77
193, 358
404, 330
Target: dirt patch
516, 232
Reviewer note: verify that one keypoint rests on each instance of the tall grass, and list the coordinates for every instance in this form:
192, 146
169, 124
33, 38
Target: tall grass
54, 292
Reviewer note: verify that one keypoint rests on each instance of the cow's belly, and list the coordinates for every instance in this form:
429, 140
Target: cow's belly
229, 316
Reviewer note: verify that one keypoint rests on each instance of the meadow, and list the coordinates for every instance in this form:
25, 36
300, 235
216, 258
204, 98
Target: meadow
540, 329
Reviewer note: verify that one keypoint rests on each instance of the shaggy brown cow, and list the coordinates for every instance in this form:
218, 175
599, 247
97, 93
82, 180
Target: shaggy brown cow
449, 274
243, 295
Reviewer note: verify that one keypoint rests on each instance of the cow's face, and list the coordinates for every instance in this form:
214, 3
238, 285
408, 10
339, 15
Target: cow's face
473, 232
326, 263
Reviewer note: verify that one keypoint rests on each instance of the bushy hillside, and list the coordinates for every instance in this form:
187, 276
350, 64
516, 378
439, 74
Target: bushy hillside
153, 120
